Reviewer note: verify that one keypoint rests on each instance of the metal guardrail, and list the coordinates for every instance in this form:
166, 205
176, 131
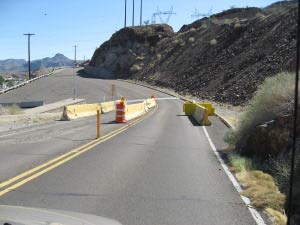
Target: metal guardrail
26, 82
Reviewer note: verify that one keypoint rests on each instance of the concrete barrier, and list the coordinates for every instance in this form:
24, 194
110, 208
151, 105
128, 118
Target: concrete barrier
201, 115
209, 107
107, 106
198, 112
78, 111
135, 110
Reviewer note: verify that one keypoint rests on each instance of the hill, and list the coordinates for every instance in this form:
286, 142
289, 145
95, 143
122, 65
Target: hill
224, 57
20, 65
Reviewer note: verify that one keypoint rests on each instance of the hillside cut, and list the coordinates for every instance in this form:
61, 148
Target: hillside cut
223, 58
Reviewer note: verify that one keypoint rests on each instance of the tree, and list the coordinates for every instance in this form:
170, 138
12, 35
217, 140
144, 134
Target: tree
1, 80
10, 83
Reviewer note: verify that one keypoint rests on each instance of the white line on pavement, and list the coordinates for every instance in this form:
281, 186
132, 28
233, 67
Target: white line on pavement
257, 217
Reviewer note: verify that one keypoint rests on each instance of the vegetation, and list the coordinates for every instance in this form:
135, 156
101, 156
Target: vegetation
213, 42
272, 99
260, 188
14, 110
1, 80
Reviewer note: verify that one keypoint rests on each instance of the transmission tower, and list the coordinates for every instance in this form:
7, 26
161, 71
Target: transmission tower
198, 15
164, 16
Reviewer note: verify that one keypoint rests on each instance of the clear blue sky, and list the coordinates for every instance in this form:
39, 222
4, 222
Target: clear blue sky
60, 24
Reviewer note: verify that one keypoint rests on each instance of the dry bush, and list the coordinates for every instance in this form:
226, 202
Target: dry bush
239, 164
135, 68
273, 98
191, 39
277, 217
213, 42
262, 190
14, 110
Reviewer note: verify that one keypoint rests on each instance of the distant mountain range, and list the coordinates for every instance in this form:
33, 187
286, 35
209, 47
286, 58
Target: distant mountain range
20, 65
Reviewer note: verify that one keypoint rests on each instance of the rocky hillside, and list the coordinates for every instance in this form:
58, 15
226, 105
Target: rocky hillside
223, 57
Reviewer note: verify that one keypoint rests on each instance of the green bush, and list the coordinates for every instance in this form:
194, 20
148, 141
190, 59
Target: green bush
240, 164
273, 98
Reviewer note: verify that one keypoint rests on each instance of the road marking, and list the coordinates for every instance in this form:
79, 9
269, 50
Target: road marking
65, 157
256, 216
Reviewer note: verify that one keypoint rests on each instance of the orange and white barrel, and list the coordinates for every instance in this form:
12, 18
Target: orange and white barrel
120, 111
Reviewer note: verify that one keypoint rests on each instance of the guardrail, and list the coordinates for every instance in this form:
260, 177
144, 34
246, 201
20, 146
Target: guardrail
25, 82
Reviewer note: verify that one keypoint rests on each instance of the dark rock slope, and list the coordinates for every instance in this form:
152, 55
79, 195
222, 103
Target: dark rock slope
223, 58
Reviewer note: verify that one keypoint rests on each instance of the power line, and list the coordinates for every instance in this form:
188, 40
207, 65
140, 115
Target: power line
29, 67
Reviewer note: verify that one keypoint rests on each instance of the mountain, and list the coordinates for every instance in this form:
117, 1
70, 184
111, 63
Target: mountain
13, 65
224, 57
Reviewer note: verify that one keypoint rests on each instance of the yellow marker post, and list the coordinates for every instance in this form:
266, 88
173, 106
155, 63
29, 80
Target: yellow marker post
98, 124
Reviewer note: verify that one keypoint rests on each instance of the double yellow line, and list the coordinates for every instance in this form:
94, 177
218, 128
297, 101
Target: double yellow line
35, 172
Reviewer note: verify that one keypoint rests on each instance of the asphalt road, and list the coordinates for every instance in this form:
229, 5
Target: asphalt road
161, 171
60, 86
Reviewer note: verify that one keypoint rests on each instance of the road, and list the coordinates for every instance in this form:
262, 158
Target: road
160, 171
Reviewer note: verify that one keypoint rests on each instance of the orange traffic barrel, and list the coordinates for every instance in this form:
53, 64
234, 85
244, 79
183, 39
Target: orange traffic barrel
120, 112
154, 97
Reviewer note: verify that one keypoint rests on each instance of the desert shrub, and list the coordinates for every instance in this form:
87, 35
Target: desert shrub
239, 164
204, 26
213, 42
135, 68
277, 217
228, 21
191, 39
262, 190
273, 98
14, 110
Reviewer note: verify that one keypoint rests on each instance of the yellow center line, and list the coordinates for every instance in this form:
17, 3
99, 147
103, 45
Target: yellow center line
64, 158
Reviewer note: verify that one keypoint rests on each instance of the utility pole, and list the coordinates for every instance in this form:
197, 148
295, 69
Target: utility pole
29, 68
125, 13
141, 12
132, 12
75, 46
74, 84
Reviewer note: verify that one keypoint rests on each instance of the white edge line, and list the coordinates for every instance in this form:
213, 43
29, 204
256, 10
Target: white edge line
255, 214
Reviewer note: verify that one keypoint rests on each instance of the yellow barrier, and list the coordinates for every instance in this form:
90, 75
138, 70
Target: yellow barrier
201, 115
200, 112
107, 106
77, 111
135, 110
189, 108
209, 107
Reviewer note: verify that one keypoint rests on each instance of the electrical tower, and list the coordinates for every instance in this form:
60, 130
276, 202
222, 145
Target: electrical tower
198, 15
162, 14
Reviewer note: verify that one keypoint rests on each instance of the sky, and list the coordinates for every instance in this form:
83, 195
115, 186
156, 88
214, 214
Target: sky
58, 25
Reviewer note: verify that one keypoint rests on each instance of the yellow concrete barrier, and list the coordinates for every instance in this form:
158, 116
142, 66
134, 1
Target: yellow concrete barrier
135, 110
77, 111
189, 108
209, 107
150, 103
107, 106
199, 111
201, 115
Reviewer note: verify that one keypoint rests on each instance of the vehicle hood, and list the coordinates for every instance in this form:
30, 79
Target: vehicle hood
17, 215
